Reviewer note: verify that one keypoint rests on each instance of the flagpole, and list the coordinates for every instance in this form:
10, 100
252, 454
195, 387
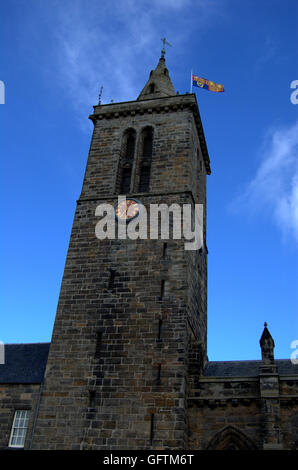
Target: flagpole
191, 81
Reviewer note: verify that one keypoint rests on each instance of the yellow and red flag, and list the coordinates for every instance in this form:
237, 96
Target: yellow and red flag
206, 84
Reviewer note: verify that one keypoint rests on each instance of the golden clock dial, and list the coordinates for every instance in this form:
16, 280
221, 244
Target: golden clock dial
127, 209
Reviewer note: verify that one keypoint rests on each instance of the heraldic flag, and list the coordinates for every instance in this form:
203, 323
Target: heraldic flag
206, 84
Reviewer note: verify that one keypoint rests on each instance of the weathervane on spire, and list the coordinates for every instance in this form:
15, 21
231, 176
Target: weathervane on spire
163, 51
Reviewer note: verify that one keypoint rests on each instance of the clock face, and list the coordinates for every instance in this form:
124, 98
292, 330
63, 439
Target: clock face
127, 210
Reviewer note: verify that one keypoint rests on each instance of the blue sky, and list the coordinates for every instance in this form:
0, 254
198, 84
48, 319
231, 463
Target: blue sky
55, 55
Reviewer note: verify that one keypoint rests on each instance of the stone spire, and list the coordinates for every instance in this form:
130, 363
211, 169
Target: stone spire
159, 84
267, 346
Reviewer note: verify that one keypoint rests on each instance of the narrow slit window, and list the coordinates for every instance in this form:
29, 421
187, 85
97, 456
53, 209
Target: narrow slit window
159, 329
158, 374
164, 250
98, 345
112, 278
92, 394
162, 289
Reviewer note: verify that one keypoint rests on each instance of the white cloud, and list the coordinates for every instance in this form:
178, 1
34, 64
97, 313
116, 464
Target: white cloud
275, 185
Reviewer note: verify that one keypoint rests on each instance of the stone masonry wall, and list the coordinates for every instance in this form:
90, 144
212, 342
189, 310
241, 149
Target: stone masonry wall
220, 405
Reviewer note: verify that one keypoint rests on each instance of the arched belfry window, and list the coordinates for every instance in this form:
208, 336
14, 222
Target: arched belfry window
145, 159
126, 161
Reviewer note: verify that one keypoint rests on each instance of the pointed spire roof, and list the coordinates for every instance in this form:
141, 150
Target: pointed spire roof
159, 84
267, 345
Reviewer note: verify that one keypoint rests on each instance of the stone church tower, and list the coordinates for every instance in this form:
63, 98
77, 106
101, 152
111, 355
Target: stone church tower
127, 366
131, 313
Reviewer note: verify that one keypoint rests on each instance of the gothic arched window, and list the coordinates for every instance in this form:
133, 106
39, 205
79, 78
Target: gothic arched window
145, 159
126, 162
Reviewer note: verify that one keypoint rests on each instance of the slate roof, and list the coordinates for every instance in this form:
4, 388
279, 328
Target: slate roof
246, 368
24, 363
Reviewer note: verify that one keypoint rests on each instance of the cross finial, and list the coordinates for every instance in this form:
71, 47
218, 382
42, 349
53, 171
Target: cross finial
163, 51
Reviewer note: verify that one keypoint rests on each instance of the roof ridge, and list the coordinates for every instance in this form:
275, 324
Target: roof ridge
25, 344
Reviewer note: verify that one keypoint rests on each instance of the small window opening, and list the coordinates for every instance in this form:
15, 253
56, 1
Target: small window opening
158, 374
159, 329
112, 278
92, 394
162, 289
98, 345
151, 88
164, 251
